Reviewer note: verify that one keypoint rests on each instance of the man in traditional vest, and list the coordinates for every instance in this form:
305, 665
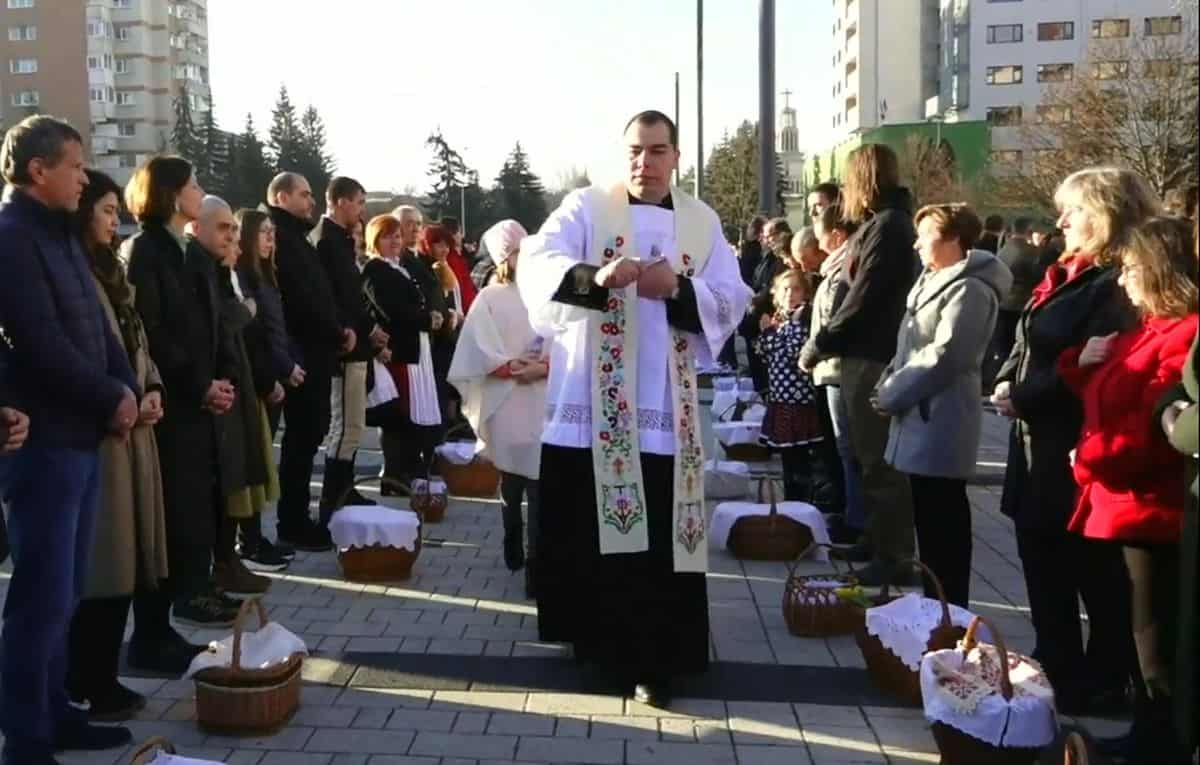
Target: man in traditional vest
633, 285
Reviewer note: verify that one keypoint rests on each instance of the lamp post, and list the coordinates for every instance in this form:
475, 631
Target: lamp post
766, 106
699, 98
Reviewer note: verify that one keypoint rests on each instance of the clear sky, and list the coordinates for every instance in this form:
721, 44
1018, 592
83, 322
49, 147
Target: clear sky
561, 76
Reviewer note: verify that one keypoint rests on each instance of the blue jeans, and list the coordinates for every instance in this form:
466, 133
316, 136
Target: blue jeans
53, 496
856, 514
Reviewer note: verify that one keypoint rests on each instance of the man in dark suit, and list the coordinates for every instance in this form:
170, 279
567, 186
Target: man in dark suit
74, 378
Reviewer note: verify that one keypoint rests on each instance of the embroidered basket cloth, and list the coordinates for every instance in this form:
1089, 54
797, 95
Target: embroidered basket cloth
456, 452
726, 479
362, 526
904, 625
430, 499
987, 705
160, 751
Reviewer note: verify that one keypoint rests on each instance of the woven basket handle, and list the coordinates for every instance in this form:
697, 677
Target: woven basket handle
141, 755
937, 585
769, 483
239, 625
1075, 750
384, 482
970, 641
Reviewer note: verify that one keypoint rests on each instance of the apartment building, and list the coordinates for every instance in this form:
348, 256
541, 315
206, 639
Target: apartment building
998, 57
113, 68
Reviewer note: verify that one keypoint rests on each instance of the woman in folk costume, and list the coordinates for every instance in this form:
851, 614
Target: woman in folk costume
396, 303
500, 370
633, 286
129, 550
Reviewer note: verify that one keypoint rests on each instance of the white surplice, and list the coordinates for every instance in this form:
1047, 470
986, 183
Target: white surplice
506, 416
565, 240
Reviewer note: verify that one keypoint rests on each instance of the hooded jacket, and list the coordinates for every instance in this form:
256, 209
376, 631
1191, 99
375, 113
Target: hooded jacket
932, 385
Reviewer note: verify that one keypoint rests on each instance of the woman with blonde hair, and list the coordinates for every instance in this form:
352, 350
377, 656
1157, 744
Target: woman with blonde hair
1128, 473
500, 370
1078, 298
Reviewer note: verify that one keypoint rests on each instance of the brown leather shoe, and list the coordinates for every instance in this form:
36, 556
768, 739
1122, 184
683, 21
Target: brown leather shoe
233, 578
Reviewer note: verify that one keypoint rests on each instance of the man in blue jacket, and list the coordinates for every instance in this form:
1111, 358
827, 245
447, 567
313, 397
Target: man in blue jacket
71, 376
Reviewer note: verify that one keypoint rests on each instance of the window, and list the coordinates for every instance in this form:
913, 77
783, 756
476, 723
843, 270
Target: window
1001, 116
1004, 1
1163, 67
1056, 72
851, 103
1110, 70
179, 41
1053, 113
851, 67
126, 98
26, 33
19, 4
1010, 157
122, 3
100, 62
1005, 75
1104, 28
23, 65
127, 129
123, 33
99, 29
1005, 33
97, 95
1056, 30
1164, 25
25, 97
122, 66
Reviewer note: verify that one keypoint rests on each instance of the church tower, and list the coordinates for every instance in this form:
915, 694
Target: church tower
792, 160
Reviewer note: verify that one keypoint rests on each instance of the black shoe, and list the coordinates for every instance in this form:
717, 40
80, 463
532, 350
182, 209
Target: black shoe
207, 611
264, 556
170, 655
282, 549
116, 704
877, 575
84, 737
514, 551
842, 534
354, 498
655, 694
310, 538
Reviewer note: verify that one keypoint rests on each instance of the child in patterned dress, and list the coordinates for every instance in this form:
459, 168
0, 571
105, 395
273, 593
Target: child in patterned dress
792, 424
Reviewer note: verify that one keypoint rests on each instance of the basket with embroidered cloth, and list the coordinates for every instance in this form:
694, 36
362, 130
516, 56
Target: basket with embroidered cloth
249, 683
987, 706
823, 605
895, 634
376, 543
466, 473
429, 499
160, 751
776, 531
726, 479
738, 430
728, 391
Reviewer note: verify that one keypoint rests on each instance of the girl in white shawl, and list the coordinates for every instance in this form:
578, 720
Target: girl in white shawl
500, 369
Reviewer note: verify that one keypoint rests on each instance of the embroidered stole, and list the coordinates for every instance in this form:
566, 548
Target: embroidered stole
613, 340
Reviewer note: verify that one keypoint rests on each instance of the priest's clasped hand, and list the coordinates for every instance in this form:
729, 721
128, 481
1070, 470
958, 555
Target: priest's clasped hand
618, 274
657, 281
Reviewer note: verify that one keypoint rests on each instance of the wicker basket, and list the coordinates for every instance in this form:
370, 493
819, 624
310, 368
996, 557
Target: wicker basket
377, 563
812, 611
958, 748
772, 536
743, 452
478, 479
240, 701
1073, 747
889, 673
431, 507
146, 752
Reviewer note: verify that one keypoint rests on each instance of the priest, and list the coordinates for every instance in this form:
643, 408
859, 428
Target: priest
633, 286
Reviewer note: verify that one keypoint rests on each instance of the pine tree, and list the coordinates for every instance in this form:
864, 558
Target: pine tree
250, 169
186, 140
731, 177
285, 140
315, 162
213, 170
448, 173
519, 192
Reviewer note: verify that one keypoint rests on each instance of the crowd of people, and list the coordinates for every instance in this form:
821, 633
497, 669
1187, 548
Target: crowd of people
142, 384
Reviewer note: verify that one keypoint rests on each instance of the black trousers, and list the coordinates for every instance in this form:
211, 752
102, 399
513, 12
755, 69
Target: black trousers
514, 488
94, 651
1154, 584
306, 414
728, 355
1003, 339
942, 515
250, 529
1060, 568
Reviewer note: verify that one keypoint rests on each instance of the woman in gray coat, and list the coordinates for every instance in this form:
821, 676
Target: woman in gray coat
931, 388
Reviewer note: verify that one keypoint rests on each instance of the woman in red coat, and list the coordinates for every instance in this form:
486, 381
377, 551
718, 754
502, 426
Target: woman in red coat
1128, 474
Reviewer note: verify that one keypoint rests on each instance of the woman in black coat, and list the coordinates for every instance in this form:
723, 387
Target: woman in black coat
1079, 298
177, 299
392, 289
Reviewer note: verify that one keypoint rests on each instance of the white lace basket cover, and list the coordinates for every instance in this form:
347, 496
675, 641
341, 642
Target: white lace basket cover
434, 486
727, 513
904, 625
961, 688
457, 452
363, 526
726, 479
265, 647
162, 758
744, 431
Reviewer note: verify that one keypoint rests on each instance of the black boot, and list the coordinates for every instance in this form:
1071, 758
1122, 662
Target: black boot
335, 481
155, 645
397, 460
514, 537
94, 647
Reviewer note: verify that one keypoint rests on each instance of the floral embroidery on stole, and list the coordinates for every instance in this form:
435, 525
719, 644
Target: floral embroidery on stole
616, 454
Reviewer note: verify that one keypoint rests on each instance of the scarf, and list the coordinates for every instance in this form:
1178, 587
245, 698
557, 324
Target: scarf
1060, 274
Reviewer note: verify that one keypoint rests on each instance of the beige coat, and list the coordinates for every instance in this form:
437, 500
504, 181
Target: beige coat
130, 547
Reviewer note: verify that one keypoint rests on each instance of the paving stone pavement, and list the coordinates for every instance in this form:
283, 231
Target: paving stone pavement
462, 601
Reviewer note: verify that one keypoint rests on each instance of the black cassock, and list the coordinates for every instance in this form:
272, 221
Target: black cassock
628, 611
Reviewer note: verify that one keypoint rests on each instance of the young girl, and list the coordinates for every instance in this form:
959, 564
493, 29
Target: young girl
792, 424
500, 369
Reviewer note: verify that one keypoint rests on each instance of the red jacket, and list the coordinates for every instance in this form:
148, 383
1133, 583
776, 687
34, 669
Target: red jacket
1128, 475
462, 270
